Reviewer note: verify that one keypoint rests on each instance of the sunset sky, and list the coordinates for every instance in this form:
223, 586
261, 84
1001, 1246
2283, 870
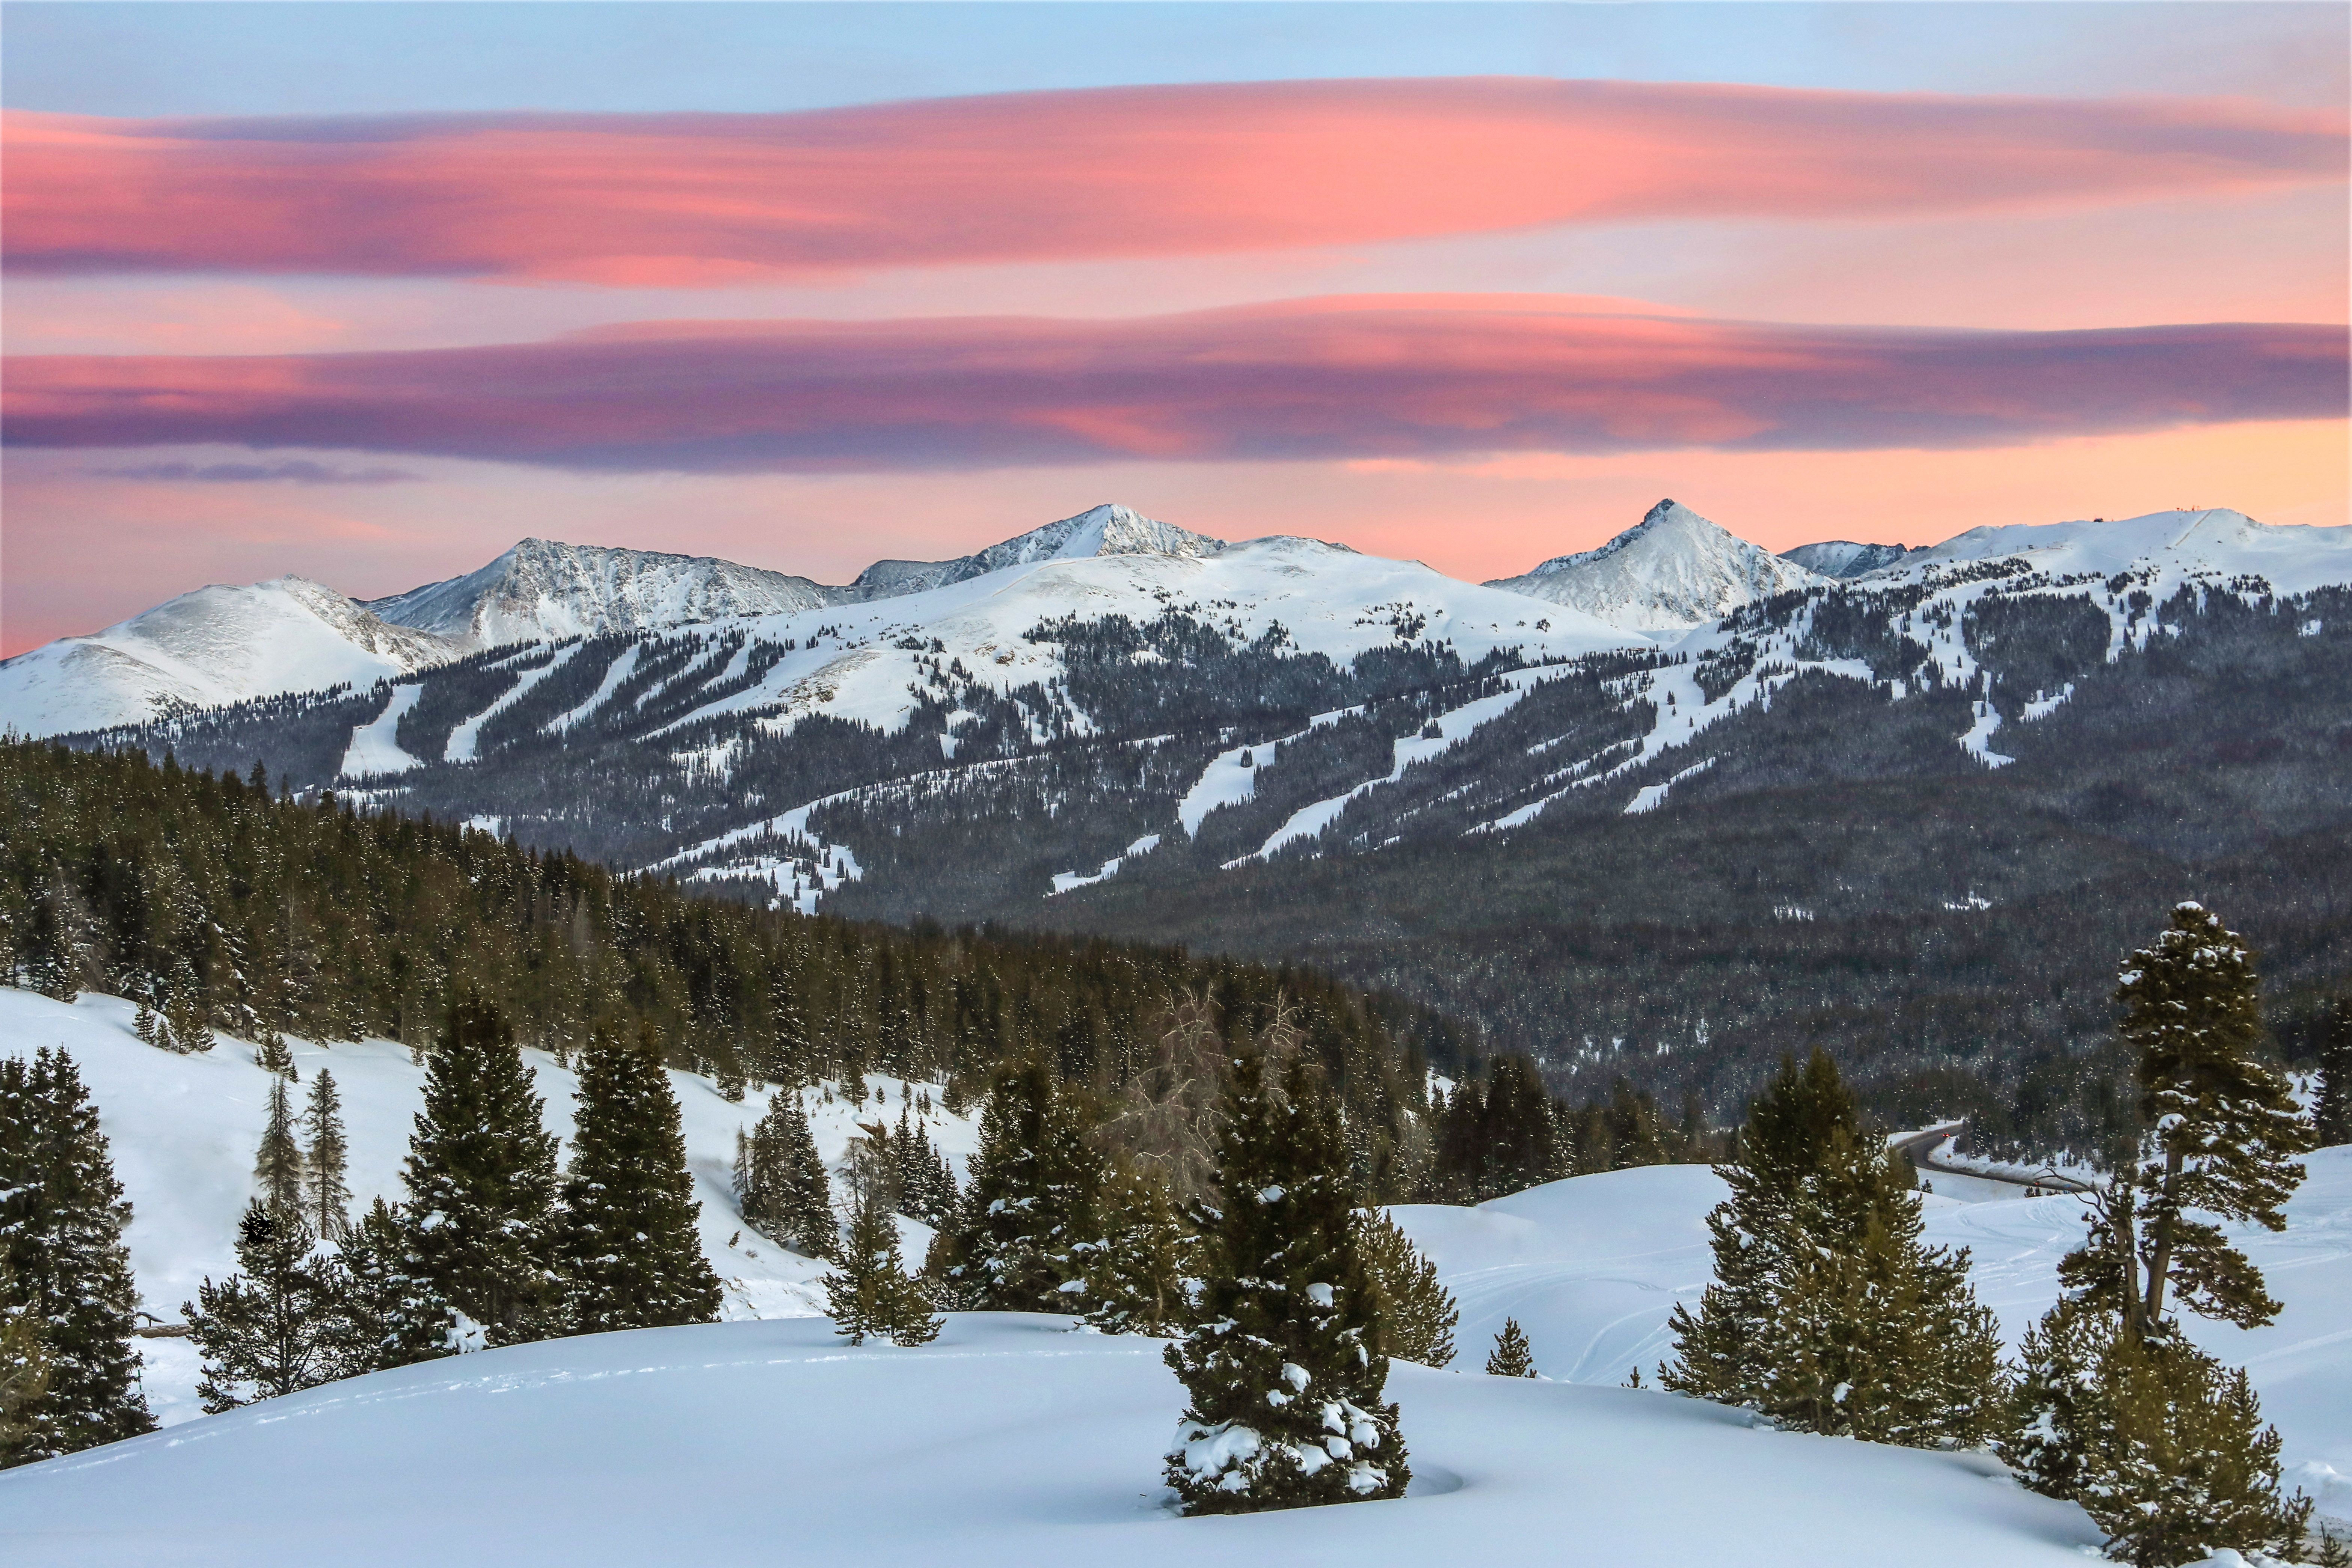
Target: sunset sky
369, 292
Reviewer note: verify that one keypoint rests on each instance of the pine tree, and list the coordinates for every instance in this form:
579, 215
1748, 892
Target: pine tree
627, 1242
390, 1313
273, 1055
870, 1292
61, 1220
1829, 1314
1139, 1274
1511, 1357
1284, 1370
1036, 1185
273, 1327
781, 1186
2225, 1131
481, 1180
1417, 1314
24, 1369
278, 1167
2332, 1113
326, 1196
1787, 1135
926, 1182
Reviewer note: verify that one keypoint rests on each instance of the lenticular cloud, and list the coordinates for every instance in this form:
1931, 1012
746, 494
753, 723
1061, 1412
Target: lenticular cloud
1391, 376
1106, 172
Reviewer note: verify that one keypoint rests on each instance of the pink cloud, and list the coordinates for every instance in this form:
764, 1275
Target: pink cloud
670, 200
1404, 376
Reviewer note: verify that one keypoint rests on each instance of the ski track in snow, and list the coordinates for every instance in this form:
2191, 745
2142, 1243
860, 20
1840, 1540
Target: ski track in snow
623, 665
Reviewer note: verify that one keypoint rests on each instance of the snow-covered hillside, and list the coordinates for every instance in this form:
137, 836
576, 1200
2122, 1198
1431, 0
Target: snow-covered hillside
1107, 529
2169, 546
215, 646
1673, 569
542, 590
1592, 1267
1844, 557
184, 1130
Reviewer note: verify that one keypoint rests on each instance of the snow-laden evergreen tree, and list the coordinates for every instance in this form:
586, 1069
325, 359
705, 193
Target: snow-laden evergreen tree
1285, 1369
626, 1240
781, 1184
390, 1313
1873, 1334
1141, 1271
1787, 1131
1418, 1316
326, 1193
1035, 1188
24, 1369
275, 1326
481, 1180
1512, 1356
926, 1181
869, 1291
2332, 1115
61, 1220
272, 1054
2225, 1130
277, 1168
1829, 1314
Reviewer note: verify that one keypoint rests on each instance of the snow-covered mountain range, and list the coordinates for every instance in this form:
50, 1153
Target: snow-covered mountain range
1844, 557
541, 589
215, 646
1108, 529
1672, 570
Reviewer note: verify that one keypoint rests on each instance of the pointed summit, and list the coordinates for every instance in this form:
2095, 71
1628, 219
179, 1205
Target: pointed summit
542, 588
1106, 530
1673, 569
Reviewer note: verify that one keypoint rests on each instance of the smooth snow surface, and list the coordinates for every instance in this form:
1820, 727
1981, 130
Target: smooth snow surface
1592, 1265
375, 750
1673, 570
183, 1131
215, 646
1011, 1442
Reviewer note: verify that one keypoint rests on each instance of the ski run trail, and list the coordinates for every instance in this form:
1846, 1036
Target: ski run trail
1021, 1440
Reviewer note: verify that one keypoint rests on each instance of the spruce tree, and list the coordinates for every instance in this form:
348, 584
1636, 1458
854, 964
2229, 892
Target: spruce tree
326, 1195
1138, 1273
781, 1185
482, 1179
870, 1291
273, 1055
2225, 1129
391, 1314
1285, 1369
1032, 1207
627, 1242
61, 1220
1511, 1356
1787, 1133
273, 1327
277, 1168
1418, 1316
2332, 1113
24, 1369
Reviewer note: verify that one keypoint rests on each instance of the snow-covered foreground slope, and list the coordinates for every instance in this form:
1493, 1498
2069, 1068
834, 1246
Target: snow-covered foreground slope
1012, 1442
1591, 1267
184, 1129
215, 646
1673, 569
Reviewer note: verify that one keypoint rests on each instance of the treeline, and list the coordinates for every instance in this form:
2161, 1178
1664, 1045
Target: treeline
219, 905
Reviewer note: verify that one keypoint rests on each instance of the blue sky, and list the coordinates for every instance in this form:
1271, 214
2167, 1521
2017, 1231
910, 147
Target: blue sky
269, 59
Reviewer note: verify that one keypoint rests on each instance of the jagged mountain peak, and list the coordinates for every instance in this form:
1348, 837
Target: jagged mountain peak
1844, 558
1672, 569
546, 588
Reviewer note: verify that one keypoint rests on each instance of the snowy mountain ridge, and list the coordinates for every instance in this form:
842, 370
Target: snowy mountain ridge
1672, 570
1844, 558
542, 589
1107, 529
215, 646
